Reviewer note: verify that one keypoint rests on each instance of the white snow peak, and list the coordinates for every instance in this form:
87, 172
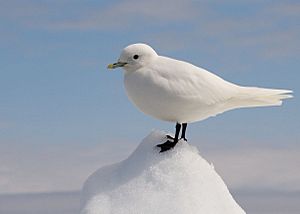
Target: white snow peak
178, 181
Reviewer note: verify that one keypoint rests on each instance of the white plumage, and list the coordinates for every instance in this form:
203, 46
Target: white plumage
177, 91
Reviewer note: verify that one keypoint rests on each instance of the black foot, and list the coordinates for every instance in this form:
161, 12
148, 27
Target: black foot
183, 138
166, 146
169, 137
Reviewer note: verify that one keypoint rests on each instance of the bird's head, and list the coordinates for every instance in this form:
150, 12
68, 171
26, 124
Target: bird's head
134, 57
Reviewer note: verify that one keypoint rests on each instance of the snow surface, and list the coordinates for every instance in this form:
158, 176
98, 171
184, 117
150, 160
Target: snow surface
179, 181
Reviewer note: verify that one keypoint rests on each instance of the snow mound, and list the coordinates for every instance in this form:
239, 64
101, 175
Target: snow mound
179, 181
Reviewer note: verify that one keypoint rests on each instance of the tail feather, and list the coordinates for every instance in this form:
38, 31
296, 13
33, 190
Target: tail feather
255, 97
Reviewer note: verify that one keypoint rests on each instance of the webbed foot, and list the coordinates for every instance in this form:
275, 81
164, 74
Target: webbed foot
166, 146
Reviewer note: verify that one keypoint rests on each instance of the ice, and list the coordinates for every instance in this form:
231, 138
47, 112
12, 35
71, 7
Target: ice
178, 181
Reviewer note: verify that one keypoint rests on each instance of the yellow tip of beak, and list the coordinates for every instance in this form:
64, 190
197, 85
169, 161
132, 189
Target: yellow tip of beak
110, 66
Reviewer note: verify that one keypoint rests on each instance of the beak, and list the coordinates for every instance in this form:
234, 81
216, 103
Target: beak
116, 65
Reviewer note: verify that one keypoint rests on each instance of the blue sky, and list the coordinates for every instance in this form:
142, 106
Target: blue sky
62, 110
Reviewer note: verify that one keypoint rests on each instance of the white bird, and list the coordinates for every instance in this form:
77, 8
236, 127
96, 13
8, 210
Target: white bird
177, 91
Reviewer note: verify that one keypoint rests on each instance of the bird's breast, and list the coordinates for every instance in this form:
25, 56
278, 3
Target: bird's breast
152, 95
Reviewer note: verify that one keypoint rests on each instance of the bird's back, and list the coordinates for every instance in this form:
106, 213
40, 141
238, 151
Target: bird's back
191, 81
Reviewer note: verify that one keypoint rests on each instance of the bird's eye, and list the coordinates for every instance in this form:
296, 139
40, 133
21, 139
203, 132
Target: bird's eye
135, 56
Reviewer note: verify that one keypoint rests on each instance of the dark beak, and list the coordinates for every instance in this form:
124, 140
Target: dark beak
116, 65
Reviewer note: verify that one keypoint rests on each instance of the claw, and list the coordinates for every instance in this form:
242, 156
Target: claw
169, 137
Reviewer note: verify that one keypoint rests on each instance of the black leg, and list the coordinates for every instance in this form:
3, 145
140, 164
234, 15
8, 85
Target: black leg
184, 125
178, 126
170, 144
